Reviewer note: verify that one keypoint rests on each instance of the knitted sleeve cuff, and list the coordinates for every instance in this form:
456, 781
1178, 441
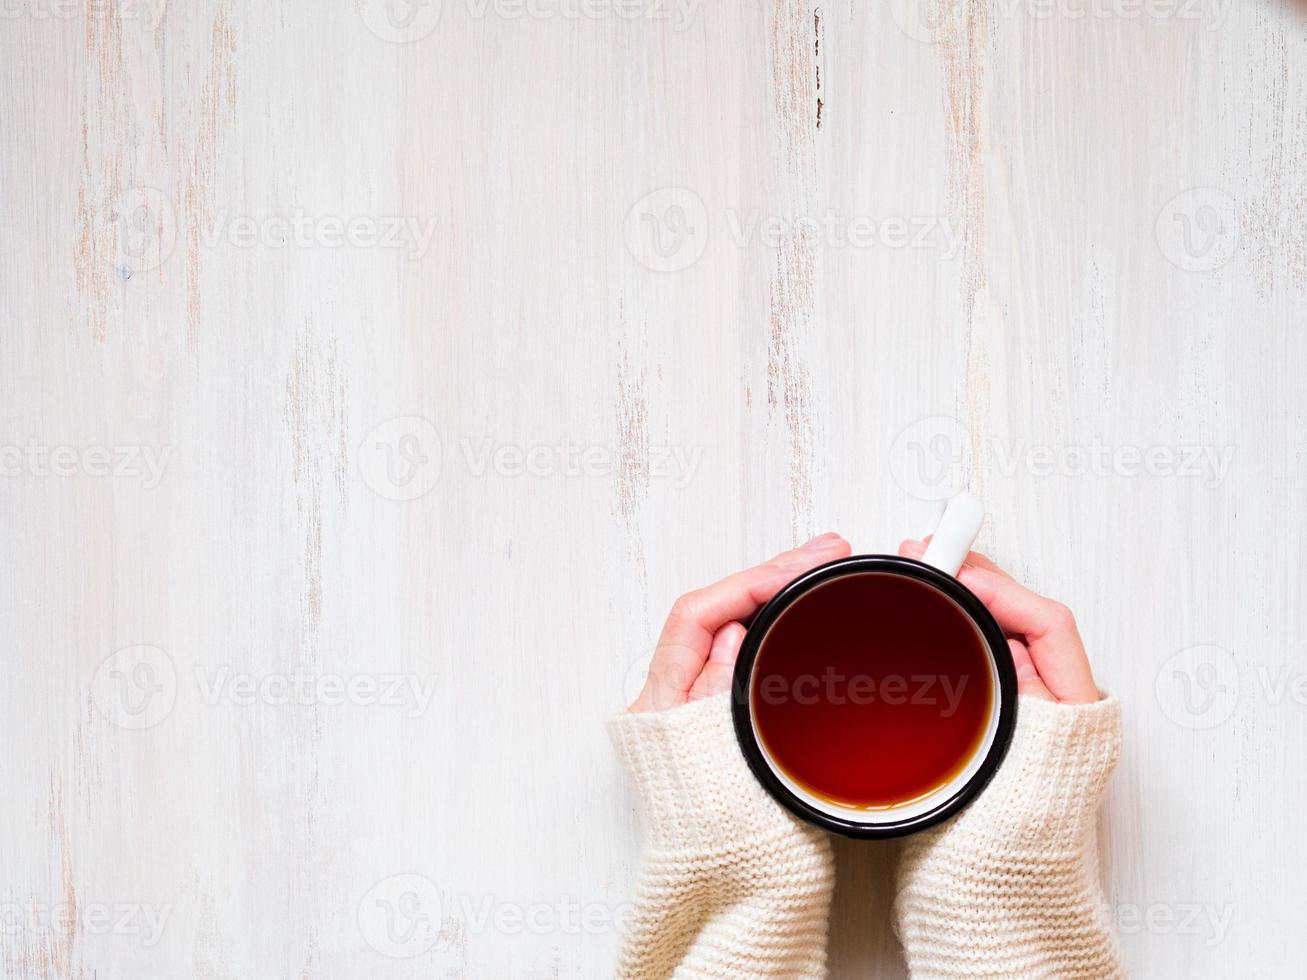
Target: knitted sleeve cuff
1056, 768
695, 788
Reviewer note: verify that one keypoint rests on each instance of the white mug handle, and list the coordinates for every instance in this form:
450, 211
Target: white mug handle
954, 534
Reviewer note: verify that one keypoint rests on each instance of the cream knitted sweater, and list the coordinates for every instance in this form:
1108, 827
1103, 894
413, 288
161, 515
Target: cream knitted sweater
733, 886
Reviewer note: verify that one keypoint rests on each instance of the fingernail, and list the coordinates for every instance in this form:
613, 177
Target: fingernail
821, 540
1026, 671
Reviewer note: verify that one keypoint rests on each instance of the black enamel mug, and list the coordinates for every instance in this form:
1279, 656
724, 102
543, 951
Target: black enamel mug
867, 735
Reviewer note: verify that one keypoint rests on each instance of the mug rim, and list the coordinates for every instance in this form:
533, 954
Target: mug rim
1005, 697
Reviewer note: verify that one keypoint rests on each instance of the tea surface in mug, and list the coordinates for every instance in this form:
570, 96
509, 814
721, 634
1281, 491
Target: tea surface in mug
872, 690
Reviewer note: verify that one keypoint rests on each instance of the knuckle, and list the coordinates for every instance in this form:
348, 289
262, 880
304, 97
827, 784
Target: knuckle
1060, 614
686, 607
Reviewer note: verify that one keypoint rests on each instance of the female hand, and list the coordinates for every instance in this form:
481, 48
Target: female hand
732, 878
696, 652
1046, 646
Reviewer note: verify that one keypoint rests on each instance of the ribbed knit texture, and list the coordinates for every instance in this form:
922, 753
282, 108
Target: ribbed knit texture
732, 885
1009, 888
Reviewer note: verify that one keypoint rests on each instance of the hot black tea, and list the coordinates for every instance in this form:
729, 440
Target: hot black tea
872, 690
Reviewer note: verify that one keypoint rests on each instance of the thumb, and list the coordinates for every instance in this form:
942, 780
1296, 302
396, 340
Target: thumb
1028, 679
719, 670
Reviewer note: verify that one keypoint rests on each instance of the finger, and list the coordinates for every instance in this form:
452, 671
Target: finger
726, 644
1022, 613
1048, 628
976, 560
686, 639
719, 670
1028, 681
915, 549
1018, 609
697, 616
912, 549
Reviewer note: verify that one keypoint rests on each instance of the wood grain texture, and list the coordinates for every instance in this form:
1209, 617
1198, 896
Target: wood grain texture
375, 376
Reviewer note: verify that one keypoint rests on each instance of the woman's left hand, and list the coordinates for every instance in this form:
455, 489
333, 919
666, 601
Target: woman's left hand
696, 652
1046, 647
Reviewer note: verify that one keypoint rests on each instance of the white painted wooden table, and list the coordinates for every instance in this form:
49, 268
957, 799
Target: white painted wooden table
375, 376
